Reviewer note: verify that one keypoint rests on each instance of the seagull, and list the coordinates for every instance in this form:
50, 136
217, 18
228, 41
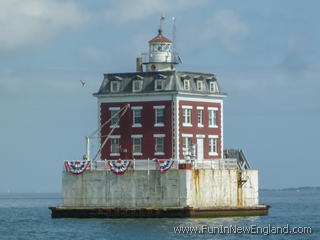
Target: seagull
83, 83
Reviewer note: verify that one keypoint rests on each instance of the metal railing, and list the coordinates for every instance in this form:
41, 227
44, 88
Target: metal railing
150, 164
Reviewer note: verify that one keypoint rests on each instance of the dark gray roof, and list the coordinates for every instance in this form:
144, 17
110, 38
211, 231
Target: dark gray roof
172, 80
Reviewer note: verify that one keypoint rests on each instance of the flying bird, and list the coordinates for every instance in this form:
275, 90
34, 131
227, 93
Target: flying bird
83, 83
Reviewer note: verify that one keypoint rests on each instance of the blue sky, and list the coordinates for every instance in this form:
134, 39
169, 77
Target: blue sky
265, 53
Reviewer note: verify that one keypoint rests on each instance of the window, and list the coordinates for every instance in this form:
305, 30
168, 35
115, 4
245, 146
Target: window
114, 112
159, 144
212, 117
186, 115
136, 116
213, 145
186, 84
158, 84
136, 145
137, 85
115, 86
199, 85
159, 116
213, 87
200, 117
115, 146
187, 145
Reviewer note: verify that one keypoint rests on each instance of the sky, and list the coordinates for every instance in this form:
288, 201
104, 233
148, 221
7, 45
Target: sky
265, 54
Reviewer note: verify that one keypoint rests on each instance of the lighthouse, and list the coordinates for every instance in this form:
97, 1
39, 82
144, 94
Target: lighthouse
161, 148
161, 55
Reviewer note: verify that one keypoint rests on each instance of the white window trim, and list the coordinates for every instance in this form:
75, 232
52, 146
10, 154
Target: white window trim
184, 124
187, 135
114, 154
159, 135
136, 125
140, 136
159, 153
200, 125
111, 86
136, 107
200, 136
114, 108
213, 137
115, 136
186, 86
136, 136
215, 109
156, 124
141, 84
155, 84
200, 108
137, 154
159, 107
186, 107
201, 83
213, 87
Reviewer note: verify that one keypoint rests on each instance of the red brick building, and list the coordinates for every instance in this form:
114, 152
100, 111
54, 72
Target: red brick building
159, 112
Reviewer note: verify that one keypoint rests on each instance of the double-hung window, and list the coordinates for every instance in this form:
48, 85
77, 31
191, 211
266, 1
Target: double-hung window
186, 148
159, 144
114, 86
115, 145
187, 116
136, 145
159, 116
114, 114
136, 116
212, 117
200, 116
213, 145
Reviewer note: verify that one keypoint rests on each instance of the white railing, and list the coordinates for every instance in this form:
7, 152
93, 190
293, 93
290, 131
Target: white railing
149, 164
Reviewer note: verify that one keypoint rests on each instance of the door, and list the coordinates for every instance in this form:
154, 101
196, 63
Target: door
200, 149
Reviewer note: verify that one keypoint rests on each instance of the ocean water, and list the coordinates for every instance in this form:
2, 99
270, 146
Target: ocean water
26, 216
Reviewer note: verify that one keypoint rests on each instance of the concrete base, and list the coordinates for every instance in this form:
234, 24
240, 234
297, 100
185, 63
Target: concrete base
186, 212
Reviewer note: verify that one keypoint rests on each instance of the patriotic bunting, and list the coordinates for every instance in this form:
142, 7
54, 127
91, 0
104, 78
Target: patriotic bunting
119, 167
76, 167
164, 165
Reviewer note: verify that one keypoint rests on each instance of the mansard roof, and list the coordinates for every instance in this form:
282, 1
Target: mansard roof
173, 81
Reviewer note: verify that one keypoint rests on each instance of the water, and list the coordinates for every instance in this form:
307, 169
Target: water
26, 216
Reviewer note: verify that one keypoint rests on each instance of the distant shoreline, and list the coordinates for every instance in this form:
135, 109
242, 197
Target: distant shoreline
297, 189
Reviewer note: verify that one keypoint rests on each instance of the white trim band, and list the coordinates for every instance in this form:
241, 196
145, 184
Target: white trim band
186, 135
159, 107
159, 135
136, 136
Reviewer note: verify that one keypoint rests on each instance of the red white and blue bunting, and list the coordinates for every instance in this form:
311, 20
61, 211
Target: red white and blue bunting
164, 165
76, 167
119, 167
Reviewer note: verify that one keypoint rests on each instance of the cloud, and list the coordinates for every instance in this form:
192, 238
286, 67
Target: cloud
129, 10
31, 22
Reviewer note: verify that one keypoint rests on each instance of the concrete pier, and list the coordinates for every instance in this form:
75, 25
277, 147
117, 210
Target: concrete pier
176, 193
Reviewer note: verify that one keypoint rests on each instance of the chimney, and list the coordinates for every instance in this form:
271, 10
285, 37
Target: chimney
139, 64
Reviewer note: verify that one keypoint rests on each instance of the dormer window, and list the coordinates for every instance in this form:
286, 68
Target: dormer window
186, 84
199, 85
137, 86
115, 86
214, 87
158, 84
